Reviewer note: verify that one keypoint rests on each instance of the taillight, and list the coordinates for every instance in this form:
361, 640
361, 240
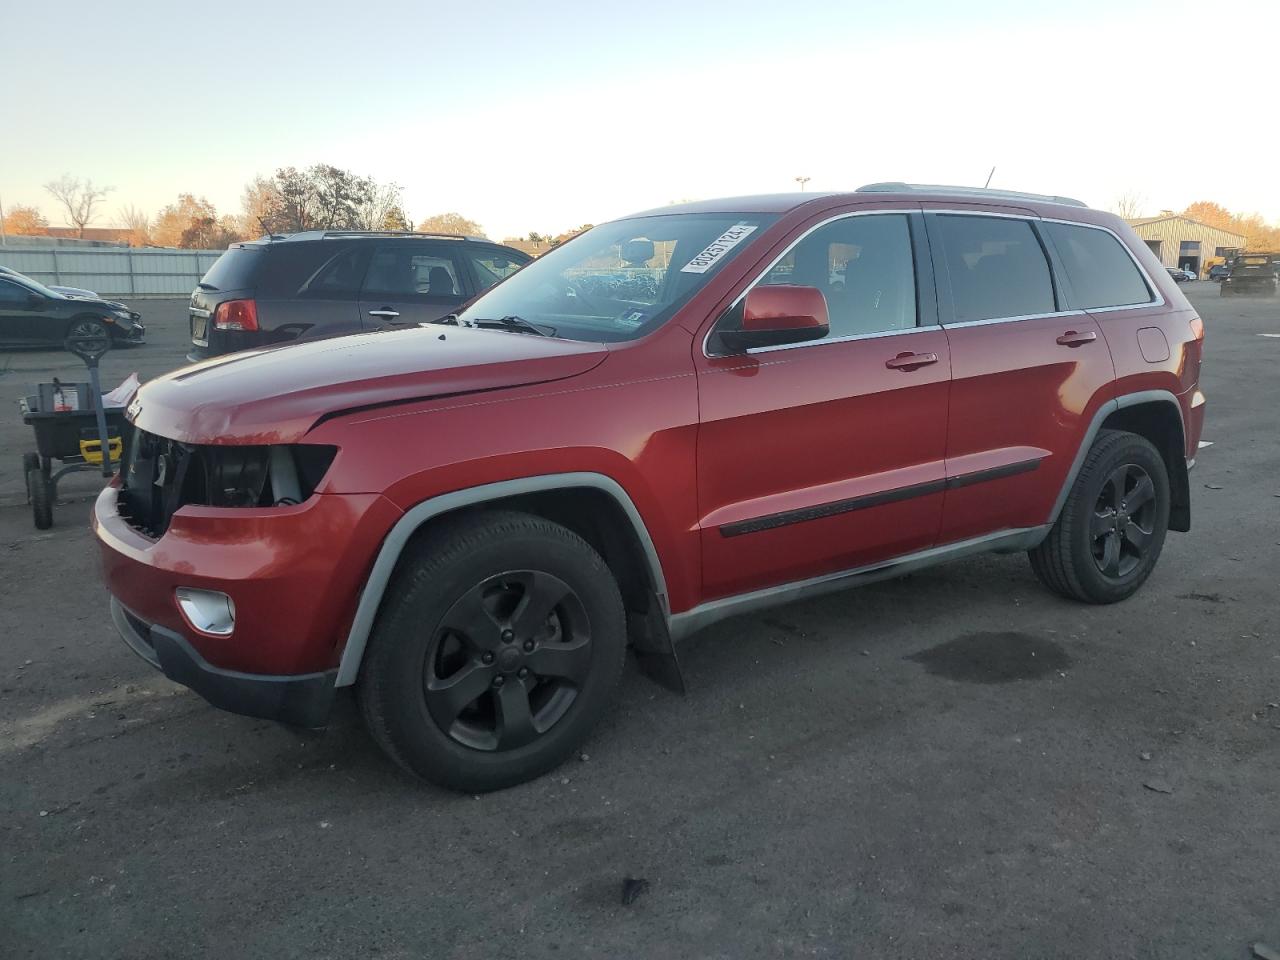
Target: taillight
236, 315
1197, 328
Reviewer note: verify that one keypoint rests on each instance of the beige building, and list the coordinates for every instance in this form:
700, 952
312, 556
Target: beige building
1189, 244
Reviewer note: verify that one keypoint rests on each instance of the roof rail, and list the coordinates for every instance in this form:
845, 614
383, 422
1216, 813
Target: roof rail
332, 234
896, 187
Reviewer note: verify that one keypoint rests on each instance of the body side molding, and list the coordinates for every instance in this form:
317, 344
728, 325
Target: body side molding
389, 553
705, 614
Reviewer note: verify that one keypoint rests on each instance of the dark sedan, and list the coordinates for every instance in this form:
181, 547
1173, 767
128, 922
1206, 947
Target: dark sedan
32, 315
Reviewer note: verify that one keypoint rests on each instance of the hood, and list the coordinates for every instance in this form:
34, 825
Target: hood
277, 394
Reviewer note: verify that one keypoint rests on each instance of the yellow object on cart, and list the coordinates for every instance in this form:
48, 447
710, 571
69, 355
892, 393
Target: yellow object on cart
91, 450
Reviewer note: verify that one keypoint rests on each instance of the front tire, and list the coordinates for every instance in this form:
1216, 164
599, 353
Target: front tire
496, 652
87, 327
1109, 535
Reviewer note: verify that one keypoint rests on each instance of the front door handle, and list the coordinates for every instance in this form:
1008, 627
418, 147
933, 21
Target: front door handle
384, 312
910, 361
1077, 338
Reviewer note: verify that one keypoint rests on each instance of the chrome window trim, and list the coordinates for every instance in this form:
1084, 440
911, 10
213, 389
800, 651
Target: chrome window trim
1158, 301
752, 351
817, 343
1025, 316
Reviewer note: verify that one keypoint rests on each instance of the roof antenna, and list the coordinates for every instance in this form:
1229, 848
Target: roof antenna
989, 176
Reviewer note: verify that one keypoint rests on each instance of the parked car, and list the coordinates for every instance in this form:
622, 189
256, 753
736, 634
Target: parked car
469, 522
1219, 272
1179, 275
33, 315
1253, 273
324, 283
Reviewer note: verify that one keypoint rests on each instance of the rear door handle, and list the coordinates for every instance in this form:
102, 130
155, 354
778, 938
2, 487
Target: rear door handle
909, 361
384, 313
1076, 338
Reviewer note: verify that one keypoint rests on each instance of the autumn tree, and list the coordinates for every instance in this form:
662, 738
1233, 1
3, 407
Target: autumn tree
137, 223
1210, 213
23, 220
322, 197
451, 223
259, 204
80, 199
193, 223
396, 219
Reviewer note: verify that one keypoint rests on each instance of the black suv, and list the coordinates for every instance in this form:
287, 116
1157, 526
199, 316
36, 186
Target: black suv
324, 283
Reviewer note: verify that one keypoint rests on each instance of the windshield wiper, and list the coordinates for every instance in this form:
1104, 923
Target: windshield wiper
515, 325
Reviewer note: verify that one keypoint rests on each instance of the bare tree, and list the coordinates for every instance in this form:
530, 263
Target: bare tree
137, 223
1129, 205
377, 206
78, 198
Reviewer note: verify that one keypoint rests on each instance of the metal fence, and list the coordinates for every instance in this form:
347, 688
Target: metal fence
116, 272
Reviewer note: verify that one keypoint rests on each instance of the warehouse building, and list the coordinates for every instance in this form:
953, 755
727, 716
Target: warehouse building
1189, 244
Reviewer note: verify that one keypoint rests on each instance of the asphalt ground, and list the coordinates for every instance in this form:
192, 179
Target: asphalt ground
954, 764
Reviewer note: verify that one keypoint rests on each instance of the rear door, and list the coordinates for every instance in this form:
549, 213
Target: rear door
412, 281
1027, 371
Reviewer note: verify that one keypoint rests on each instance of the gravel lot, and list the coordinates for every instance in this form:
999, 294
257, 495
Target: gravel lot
955, 764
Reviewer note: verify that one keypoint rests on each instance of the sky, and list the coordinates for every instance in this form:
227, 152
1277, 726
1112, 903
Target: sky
543, 116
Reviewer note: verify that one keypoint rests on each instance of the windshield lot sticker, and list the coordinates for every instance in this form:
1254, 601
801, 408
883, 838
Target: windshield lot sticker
632, 319
709, 257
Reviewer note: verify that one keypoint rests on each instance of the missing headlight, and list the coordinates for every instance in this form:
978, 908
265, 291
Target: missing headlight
163, 475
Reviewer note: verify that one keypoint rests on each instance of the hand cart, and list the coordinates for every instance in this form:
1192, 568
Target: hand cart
71, 426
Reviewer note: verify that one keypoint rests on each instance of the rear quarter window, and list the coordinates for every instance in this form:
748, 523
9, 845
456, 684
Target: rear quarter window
236, 269
1099, 269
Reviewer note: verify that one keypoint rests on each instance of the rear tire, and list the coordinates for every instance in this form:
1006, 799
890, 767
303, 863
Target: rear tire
1109, 535
41, 496
497, 650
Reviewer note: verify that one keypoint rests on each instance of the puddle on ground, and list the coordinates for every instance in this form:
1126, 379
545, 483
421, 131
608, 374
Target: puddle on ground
993, 658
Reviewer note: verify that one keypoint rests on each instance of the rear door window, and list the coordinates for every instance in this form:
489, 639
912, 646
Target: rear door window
997, 268
405, 271
1099, 269
339, 277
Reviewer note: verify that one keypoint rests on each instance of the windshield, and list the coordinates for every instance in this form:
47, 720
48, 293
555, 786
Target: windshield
620, 280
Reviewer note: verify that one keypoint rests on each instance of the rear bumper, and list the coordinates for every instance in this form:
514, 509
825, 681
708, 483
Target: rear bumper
302, 699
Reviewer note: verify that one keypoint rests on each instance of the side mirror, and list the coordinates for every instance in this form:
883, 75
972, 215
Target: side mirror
35, 301
778, 314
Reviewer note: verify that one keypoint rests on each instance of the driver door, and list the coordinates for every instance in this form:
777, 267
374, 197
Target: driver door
828, 455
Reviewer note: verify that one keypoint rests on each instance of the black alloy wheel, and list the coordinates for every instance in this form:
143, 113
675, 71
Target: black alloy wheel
508, 660
1123, 521
87, 329
497, 650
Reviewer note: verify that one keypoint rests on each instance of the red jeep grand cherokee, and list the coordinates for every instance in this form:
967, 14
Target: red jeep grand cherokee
677, 417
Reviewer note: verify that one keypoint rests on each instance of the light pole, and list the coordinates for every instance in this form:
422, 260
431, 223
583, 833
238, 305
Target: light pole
802, 181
